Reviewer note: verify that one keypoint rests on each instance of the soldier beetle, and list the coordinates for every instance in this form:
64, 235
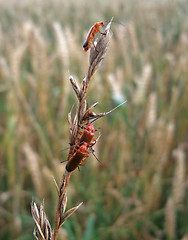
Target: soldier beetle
87, 135
80, 152
91, 35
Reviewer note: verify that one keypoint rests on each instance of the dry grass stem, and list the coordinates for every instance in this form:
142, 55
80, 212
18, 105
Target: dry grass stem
170, 218
143, 84
97, 53
33, 163
179, 176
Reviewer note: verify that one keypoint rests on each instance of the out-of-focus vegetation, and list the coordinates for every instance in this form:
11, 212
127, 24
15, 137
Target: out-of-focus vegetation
141, 191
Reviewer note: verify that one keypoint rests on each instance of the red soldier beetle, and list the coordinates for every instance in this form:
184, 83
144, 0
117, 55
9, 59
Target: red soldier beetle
91, 35
87, 135
80, 152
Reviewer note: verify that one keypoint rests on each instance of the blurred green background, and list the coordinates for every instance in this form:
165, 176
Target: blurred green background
141, 191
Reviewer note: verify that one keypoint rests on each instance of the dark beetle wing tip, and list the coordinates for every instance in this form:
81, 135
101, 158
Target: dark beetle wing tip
85, 45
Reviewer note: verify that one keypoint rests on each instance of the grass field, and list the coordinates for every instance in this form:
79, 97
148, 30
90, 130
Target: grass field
141, 192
